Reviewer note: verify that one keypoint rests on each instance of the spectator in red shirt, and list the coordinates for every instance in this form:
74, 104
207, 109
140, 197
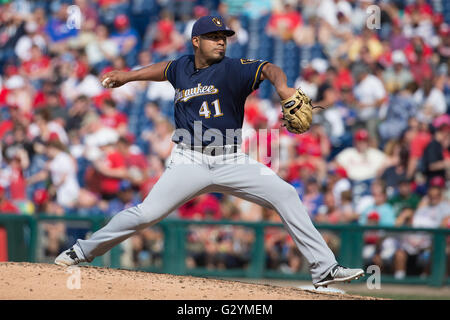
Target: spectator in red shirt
418, 137
111, 169
41, 97
420, 7
259, 144
38, 67
17, 182
6, 206
166, 39
314, 147
135, 160
153, 173
113, 118
417, 50
283, 23
203, 207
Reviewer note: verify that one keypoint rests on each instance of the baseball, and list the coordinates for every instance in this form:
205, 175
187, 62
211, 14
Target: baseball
105, 83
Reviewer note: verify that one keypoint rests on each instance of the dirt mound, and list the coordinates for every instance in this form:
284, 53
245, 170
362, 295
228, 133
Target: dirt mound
29, 281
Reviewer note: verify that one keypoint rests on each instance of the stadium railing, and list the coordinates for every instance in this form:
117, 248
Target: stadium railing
23, 242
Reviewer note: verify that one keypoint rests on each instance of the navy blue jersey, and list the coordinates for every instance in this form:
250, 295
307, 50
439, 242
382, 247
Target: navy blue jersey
209, 102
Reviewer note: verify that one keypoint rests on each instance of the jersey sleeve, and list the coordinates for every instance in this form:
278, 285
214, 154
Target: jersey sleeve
250, 73
170, 72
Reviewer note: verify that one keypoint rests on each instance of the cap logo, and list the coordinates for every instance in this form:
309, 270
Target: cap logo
217, 22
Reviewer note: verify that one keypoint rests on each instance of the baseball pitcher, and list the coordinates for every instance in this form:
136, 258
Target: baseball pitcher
210, 92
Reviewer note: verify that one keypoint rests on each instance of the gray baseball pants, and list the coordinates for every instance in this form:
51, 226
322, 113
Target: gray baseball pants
190, 174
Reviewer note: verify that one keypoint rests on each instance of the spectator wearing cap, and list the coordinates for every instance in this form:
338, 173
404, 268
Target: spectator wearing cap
361, 162
126, 198
338, 182
297, 174
126, 38
436, 158
405, 197
413, 256
397, 76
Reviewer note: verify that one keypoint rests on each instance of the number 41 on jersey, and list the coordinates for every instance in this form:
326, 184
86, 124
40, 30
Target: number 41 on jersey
205, 112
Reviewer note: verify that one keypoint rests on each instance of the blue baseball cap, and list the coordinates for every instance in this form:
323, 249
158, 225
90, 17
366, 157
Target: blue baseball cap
209, 24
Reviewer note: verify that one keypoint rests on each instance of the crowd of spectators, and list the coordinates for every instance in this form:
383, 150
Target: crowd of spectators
378, 155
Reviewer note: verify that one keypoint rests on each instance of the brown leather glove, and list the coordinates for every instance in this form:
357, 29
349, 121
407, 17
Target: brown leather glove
297, 112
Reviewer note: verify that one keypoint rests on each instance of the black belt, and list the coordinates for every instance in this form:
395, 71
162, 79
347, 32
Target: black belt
213, 150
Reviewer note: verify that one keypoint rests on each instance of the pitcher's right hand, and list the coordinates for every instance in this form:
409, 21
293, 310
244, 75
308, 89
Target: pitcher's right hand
114, 79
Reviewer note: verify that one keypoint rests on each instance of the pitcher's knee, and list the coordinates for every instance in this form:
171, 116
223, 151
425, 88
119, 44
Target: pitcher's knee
285, 194
150, 214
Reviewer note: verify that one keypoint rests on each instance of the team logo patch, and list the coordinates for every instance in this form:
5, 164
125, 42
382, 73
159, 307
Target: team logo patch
247, 61
217, 22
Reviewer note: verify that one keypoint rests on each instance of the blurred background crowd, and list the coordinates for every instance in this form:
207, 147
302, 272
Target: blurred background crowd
378, 155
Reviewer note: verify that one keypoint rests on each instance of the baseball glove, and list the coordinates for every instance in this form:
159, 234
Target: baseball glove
297, 112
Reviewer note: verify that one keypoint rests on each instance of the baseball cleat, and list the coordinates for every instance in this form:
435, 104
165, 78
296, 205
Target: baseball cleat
68, 258
340, 274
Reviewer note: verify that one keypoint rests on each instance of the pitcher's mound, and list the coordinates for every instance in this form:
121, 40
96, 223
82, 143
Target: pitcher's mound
28, 281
